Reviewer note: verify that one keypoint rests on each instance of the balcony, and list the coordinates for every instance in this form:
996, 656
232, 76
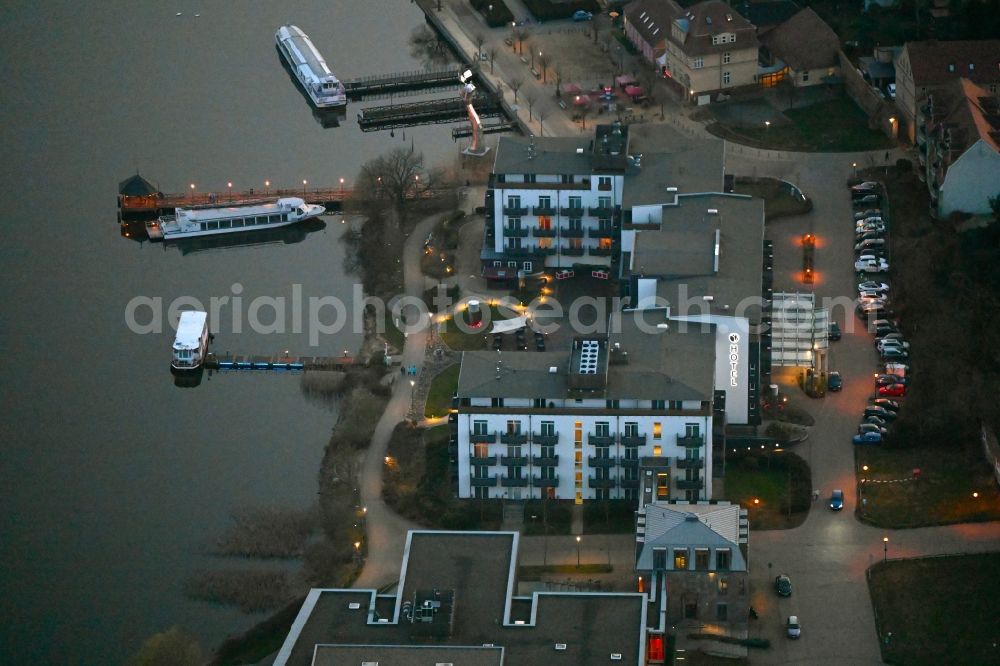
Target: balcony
543, 233
540, 482
545, 251
489, 461
545, 440
596, 461
600, 251
573, 251
544, 210
630, 483
571, 233
690, 463
573, 211
690, 441
519, 251
513, 438
630, 463
515, 482
633, 440
689, 484
513, 461
516, 211
601, 211
594, 482
545, 461
515, 232
483, 438
600, 440
488, 482
601, 233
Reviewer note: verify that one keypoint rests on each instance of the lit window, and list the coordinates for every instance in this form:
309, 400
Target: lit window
680, 558
657, 450
657, 430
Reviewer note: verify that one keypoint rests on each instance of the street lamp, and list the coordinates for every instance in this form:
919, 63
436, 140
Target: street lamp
767, 125
267, 186
230, 186
304, 183
192, 192
885, 549
341, 188
578, 552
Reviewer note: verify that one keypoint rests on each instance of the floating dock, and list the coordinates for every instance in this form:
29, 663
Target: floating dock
402, 83
425, 113
293, 363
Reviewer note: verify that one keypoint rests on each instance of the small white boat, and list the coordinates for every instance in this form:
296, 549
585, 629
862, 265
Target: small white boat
191, 341
323, 88
211, 220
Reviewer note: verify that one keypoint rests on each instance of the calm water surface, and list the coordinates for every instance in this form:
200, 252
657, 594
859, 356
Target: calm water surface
112, 479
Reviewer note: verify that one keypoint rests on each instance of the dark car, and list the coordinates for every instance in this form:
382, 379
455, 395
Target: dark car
834, 381
894, 354
889, 380
837, 500
867, 438
871, 212
876, 420
871, 427
886, 404
783, 585
867, 200
834, 331
879, 412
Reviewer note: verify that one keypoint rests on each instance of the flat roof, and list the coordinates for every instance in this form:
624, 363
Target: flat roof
551, 155
480, 568
226, 212
189, 329
409, 655
671, 159
681, 254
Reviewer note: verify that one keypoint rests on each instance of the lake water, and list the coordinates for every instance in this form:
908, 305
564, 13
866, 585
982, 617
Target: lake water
112, 480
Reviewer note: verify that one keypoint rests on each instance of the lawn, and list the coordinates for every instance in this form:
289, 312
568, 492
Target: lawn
834, 126
938, 610
768, 480
391, 333
943, 494
780, 199
442, 389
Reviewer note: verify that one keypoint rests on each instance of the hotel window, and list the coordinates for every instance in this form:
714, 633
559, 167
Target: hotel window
680, 559
698, 63
657, 451
481, 451
548, 428
545, 244
659, 404
675, 404
691, 430
604, 202
496, 402
545, 202
604, 243
727, 58
657, 430
721, 612
601, 429
604, 182
723, 585
659, 559
722, 559
576, 243
805, 76
701, 559
611, 404
726, 78
631, 429
662, 486
513, 201
575, 202
513, 427
479, 427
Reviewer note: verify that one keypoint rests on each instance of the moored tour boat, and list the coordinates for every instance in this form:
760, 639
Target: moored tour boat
191, 341
323, 88
211, 220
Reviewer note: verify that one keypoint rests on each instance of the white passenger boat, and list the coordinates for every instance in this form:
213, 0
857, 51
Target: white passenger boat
309, 68
211, 220
191, 341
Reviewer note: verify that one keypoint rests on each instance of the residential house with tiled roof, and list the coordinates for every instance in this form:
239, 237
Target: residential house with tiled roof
958, 143
807, 46
707, 48
924, 67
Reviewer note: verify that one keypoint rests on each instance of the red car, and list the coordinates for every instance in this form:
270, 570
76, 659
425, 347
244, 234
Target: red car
892, 391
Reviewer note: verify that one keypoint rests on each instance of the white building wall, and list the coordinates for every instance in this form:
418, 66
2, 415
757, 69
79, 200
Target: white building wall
730, 375
970, 181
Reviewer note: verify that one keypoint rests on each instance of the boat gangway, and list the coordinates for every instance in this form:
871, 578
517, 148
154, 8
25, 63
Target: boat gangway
223, 362
425, 113
415, 82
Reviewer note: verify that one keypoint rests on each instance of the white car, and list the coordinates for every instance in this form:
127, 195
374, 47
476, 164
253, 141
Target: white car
885, 343
866, 187
891, 89
867, 263
869, 225
871, 212
794, 629
872, 285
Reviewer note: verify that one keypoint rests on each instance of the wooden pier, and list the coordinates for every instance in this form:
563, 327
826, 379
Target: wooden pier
464, 132
227, 361
403, 82
425, 113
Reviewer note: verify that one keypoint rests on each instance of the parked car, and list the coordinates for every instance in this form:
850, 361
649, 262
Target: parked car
891, 340
871, 427
891, 90
867, 200
872, 296
879, 330
886, 404
894, 354
870, 224
871, 212
837, 500
834, 331
869, 244
873, 285
793, 626
868, 235
834, 381
783, 585
892, 391
874, 411
871, 265
874, 420
867, 186
886, 380
867, 438
582, 15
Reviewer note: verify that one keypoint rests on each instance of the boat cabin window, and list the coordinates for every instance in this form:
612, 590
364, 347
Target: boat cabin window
284, 217
224, 224
184, 353
238, 222
303, 210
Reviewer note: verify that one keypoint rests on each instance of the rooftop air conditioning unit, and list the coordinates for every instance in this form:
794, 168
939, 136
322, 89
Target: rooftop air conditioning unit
616, 656
579, 151
713, 211
708, 298
553, 369
671, 189
353, 606
560, 646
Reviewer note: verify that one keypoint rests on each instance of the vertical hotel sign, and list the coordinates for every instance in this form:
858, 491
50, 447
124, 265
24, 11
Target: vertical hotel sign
734, 358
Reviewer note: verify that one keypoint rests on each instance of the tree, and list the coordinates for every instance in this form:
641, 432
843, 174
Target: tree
542, 62
515, 84
391, 178
557, 70
173, 647
542, 115
426, 46
492, 52
530, 99
480, 40
583, 111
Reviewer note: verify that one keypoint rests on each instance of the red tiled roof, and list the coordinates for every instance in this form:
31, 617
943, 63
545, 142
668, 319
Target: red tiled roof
654, 19
804, 42
934, 62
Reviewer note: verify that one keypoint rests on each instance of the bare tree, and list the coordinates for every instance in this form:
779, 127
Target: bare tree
542, 115
391, 178
530, 98
515, 84
426, 46
583, 111
492, 52
557, 70
542, 62
480, 40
